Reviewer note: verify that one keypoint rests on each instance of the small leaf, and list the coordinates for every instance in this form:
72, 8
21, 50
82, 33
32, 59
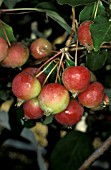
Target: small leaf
8, 30
60, 20
11, 3
49, 69
48, 119
88, 12
69, 63
71, 151
56, 17
100, 31
96, 60
75, 2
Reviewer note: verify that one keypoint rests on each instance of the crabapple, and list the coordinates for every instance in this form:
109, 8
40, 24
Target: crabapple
32, 109
25, 86
3, 48
18, 54
92, 97
76, 78
53, 98
71, 115
84, 34
34, 71
40, 48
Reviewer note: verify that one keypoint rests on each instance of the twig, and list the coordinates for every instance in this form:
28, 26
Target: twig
68, 42
96, 154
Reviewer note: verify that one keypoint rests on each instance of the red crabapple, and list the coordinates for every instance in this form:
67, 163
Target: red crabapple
84, 34
32, 109
34, 71
3, 48
18, 54
40, 48
25, 86
53, 98
71, 115
76, 78
92, 96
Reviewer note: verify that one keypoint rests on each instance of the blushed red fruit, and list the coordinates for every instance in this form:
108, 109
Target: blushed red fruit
84, 34
32, 109
25, 86
3, 48
40, 48
53, 98
18, 54
76, 78
71, 115
92, 96
34, 71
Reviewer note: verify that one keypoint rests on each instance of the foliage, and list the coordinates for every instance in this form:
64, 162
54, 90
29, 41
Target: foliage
58, 21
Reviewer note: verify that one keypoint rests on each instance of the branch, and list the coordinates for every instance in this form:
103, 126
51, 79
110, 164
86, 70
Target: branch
96, 154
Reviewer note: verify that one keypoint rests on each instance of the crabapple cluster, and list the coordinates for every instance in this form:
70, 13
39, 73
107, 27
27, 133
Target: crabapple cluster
16, 53
65, 101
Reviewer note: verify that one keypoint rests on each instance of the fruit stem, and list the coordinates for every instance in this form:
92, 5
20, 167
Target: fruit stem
96, 10
49, 60
58, 70
50, 73
4, 31
76, 53
68, 42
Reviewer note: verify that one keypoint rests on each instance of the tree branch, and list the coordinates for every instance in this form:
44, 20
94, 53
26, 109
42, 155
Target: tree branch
96, 154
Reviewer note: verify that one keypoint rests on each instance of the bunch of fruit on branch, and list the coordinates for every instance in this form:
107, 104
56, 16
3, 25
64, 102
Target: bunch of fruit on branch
72, 89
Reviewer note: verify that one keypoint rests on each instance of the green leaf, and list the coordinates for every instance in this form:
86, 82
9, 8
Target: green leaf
75, 2
69, 63
48, 119
88, 12
46, 7
11, 3
71, 151
60, 20
96, 60
8, 30
100, 31
48, 69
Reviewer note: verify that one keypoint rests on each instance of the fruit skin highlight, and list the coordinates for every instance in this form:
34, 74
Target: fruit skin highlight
76, 78
53, 98
3, 49
71, 115
25, 86
92, 96
32, 109
18, 54
84, 34
40, 48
